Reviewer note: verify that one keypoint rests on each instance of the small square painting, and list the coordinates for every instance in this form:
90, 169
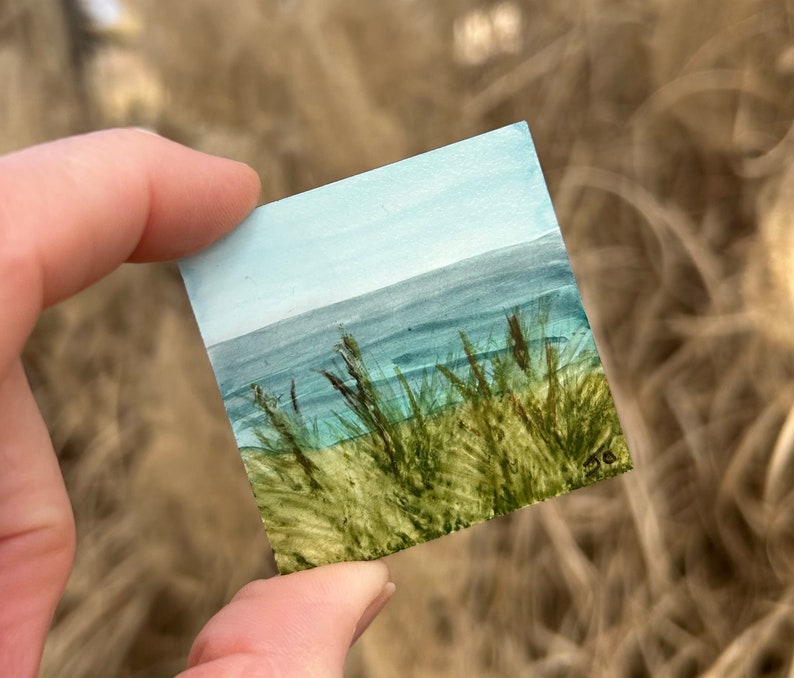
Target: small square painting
405, 353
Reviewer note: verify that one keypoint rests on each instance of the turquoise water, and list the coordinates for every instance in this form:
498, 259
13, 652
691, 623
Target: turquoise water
412, 325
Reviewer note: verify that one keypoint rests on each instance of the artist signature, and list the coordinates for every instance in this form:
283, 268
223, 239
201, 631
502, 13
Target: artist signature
595, 460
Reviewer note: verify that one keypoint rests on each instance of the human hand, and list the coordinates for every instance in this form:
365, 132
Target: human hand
70, 212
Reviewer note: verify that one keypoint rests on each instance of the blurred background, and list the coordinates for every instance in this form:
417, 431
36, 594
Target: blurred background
666, 132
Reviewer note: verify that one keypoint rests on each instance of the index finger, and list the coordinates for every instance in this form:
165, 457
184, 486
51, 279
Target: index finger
73, 210
70, 212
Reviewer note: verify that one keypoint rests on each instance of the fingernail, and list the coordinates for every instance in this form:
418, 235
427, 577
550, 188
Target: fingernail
147, 130
374, 608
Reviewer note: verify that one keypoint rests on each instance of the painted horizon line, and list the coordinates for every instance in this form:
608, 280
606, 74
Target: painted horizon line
460, 262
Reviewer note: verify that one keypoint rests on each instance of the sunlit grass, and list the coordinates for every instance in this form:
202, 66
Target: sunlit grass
529, 423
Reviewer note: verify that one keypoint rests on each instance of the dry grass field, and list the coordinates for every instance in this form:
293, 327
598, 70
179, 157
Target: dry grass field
666, 131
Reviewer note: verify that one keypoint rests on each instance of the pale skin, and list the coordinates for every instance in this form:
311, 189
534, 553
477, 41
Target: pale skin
72, 211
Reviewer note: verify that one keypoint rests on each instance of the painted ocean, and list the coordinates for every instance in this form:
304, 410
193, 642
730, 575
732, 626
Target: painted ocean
411, 325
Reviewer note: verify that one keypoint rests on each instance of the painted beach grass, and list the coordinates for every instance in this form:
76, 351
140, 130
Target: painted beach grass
405, 353
530, 423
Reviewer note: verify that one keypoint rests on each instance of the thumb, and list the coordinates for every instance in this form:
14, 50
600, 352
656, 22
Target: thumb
299, 624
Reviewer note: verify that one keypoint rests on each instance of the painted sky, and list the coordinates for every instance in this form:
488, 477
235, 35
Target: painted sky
370, 231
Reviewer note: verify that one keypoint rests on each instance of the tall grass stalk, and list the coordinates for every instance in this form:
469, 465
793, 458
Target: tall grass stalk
292, 434
367, 404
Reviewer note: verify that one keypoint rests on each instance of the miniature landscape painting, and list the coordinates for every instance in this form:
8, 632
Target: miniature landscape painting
404, 353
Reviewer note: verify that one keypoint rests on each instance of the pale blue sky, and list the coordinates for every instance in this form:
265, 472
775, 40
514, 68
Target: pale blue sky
370, 231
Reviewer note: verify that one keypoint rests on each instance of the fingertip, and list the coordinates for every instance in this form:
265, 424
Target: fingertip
195, 198
366, 577
84, 205
374, 609
251, 183
240, 180
189, 210
309, 618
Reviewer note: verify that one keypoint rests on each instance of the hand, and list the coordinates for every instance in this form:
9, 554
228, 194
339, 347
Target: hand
70, 212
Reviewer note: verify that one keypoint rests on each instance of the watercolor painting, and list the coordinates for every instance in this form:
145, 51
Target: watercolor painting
405, 353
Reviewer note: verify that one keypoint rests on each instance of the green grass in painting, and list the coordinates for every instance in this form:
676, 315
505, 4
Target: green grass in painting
525, 425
